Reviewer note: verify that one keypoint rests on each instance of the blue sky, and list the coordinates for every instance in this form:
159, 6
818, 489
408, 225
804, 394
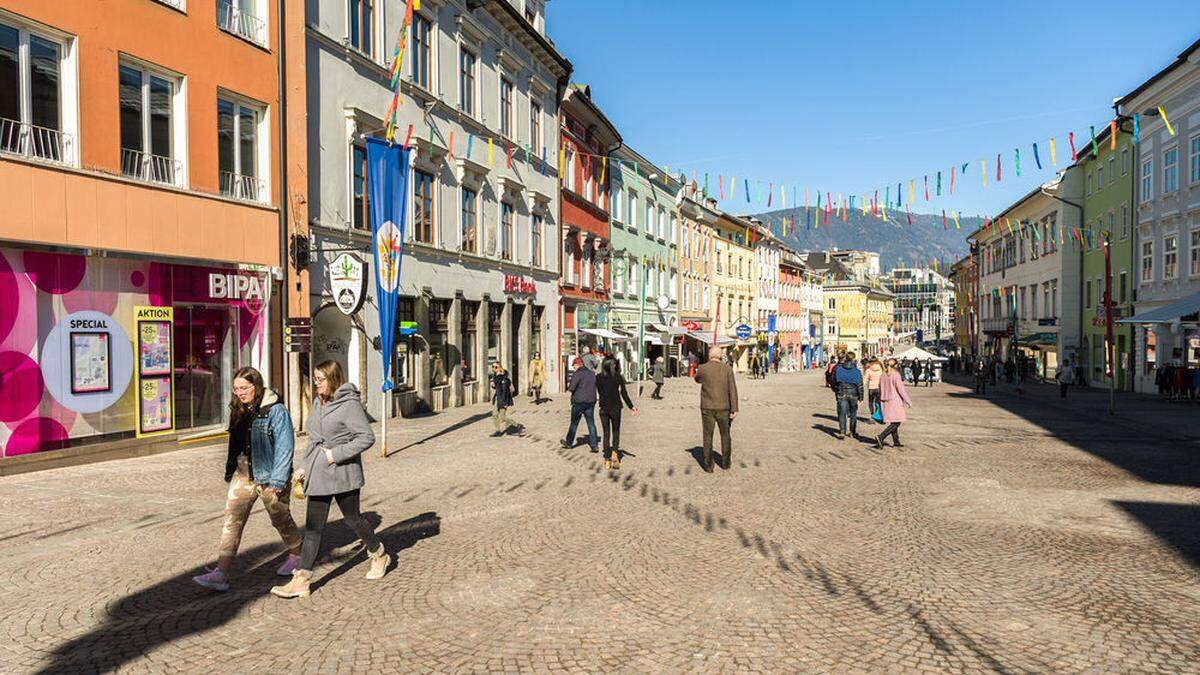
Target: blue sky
852, 97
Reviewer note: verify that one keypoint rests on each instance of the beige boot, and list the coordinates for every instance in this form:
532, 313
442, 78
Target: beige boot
297, 587
379, 563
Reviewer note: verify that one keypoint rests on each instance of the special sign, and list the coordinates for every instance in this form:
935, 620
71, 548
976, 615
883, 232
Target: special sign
348, 282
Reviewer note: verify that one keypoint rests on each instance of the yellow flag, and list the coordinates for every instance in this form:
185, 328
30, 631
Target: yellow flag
604, 168
1163, 114
491, 153
983, 171
956, 225
912, 186
417, 4
1053, 154
562, 161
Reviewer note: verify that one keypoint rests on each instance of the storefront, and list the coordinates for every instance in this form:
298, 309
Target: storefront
77, 359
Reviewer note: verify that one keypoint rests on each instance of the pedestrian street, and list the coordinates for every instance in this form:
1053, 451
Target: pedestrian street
1009, 534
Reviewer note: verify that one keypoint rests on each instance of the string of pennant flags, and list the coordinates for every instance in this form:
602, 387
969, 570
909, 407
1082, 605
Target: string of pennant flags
818, 207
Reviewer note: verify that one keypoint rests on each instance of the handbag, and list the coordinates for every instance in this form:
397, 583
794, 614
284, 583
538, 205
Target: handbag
877, 413
298, 488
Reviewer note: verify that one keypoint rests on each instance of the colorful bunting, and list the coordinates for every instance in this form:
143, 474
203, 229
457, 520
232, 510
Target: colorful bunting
1163, 114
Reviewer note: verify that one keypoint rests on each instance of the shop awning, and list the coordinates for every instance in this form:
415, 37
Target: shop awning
604, 333
677, 330
653, 339
1167, 313
1042, 339
707, 337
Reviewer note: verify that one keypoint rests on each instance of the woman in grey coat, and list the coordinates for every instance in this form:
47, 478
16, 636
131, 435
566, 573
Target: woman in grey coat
331, 468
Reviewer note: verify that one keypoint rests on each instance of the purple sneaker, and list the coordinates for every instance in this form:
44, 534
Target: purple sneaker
214, 579
289, 565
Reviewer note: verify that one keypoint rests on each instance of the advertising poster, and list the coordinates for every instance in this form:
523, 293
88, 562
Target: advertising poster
91, 359
156, 392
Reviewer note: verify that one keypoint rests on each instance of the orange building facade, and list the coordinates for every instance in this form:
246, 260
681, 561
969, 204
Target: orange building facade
139, 168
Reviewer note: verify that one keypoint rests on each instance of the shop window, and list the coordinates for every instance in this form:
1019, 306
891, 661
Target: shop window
36, 102
470, 342
439, 342
147, 101
240, 160
1151, 341
404, 366
535, 333
495, 323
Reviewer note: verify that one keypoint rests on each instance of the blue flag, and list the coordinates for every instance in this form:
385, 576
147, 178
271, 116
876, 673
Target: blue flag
387, 183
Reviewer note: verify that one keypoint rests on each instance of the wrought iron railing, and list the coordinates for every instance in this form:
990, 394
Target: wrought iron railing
150, 168
238, 186
232, 19
34, 142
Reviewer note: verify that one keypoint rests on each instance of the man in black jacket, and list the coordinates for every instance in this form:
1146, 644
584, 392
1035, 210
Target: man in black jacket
849, 387
582, 386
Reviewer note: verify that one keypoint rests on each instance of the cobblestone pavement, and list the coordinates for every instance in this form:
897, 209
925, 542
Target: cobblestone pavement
1007, 535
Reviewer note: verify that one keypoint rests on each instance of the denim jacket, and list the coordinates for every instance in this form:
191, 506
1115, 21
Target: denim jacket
271, 444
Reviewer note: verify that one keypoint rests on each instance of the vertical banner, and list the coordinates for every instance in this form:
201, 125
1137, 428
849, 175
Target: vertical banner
387, 181
154, 412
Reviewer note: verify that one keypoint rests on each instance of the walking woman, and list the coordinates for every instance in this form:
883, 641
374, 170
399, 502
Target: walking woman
894, 399
338, 433
258, 465
537, 377
872, 375
610, 388
502, 398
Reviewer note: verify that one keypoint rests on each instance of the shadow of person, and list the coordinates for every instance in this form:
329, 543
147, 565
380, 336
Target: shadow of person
697, 453
453, 427
176, 607
821, 416
395, 538
832, 431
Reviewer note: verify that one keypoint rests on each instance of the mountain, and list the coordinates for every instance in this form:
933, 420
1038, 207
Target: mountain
898, 243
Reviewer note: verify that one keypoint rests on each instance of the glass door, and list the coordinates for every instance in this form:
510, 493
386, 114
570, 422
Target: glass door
204, 364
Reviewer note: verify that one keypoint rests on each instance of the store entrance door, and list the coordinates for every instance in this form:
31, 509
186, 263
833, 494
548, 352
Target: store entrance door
515, 343
204, 364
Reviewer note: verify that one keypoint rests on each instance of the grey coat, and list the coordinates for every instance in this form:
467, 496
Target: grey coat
659, 373
342, 426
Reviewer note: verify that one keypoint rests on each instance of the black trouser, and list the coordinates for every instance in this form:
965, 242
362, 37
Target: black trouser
719, 419
1062, 389
657, 389
537, 394
980, 385
314, 524
848, 413
610, 426
872, 400
892, 430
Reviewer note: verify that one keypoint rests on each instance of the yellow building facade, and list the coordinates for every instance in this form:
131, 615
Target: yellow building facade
733, 284
858, 318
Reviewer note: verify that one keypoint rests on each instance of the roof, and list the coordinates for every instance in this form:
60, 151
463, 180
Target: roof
582, 94
531, 33
1032, 193
1179, 61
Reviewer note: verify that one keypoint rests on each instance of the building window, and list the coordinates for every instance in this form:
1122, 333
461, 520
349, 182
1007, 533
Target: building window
585, 265
238, 153
146, 102
1194, 162
1089, 183
570, 259
633, 200
469, 318
470, 220
1170, 257
1147, 181
671, 232
362, 200
439, 341
535, 128
1125, 161
662, 224
1087, 294
1170, 171
362, 34
1195, 253
569, 167
506, 107
495, 326
506, 231
423, 205
241, 17
467, 62
648, 219
33, 95
1147, 262
422, 50
1099, 178
535, 240
1124, 278
1112, 168
1124, 220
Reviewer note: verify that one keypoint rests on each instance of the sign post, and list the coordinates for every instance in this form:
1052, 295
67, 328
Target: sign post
642, 330
387, 178
1108, 325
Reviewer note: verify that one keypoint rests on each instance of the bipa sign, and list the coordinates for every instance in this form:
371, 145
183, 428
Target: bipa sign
235, 287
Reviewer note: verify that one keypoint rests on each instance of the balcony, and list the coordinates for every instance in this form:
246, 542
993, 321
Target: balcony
34, 142
245, 25
150, 168
237, 186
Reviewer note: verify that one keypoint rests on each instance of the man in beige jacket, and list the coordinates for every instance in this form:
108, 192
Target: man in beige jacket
718, 405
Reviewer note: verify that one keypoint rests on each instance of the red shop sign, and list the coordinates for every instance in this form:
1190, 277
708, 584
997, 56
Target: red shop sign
515, 283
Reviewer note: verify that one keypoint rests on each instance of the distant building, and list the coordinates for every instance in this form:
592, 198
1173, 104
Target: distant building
964, 275
924, 305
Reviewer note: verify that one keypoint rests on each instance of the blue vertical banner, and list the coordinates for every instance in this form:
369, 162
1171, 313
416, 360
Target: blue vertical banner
387, 184
772, 338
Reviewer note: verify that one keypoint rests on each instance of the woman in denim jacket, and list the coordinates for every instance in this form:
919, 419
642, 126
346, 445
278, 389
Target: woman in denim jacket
259, 465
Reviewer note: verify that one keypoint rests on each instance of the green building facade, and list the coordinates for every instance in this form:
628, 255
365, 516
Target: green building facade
644, 226
1107, 212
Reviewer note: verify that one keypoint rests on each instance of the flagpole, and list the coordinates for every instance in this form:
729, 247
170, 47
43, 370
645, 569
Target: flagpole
642, 332
1108, 326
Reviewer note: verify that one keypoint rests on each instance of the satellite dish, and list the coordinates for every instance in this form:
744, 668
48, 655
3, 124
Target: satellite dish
663, 302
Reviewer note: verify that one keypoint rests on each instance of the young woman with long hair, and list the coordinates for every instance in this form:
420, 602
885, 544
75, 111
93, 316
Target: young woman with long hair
258, 465
610, 389
893, 398
331, 468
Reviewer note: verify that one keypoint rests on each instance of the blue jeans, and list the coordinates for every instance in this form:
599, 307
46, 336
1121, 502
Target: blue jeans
587, 412
848, 412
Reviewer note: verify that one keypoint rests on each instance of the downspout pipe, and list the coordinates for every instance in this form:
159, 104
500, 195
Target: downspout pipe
281, 61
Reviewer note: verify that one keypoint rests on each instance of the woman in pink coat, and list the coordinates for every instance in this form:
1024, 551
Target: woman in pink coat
893, 399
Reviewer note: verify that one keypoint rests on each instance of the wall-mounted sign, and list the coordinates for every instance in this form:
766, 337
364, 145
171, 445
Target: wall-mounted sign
744, 331
515, 283
222, 286
155, 402
297, 334
87, 361
348, 282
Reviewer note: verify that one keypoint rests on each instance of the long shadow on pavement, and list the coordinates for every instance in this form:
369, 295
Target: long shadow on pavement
175, 608
453, 427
